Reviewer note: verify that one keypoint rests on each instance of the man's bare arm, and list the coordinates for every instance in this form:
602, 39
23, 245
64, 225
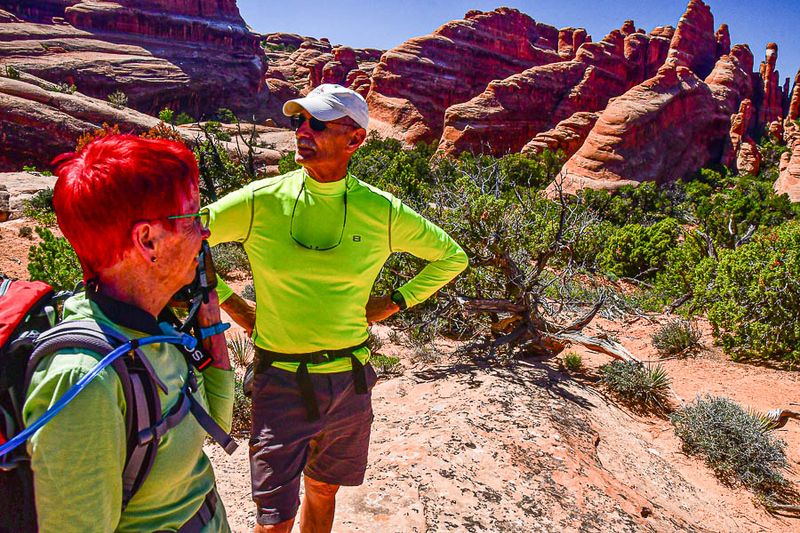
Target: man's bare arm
241, 311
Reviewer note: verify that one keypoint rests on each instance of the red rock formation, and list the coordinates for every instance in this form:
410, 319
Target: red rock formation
770, 107
788, 181
723, 38
742, 154
694, 44
158, 59
510, 112
794, 103
645, 134
567, 136
416, 82
359, 81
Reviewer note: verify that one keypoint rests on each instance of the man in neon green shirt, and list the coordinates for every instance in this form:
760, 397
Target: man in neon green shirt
316, 239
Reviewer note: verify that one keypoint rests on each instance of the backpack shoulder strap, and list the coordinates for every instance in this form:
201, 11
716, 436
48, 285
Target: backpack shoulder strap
139, 385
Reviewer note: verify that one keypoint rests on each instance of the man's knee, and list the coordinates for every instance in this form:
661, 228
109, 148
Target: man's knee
320, 489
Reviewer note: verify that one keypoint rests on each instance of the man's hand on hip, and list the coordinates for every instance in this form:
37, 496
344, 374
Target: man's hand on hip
380, 308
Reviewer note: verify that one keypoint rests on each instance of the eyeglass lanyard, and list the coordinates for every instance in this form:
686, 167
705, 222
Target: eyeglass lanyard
291, 222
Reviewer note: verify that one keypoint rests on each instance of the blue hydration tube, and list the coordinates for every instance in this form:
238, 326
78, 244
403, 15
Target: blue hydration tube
186, 340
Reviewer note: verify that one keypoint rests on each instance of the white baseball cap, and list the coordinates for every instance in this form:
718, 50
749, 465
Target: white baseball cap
329, 102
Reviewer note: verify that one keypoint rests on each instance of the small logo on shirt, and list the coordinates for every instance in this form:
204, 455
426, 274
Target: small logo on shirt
356, 238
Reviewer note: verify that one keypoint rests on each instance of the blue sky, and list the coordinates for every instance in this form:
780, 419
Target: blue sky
384, 24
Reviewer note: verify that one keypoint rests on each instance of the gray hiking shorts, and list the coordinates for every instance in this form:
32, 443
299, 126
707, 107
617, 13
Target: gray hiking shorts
285, 444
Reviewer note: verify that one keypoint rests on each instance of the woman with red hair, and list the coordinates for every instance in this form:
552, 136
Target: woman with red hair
129, 207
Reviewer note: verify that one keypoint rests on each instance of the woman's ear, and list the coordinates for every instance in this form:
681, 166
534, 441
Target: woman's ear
144, 237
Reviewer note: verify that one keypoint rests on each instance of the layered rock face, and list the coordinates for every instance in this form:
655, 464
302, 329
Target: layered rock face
644, 135
305, 62
157, 52
788, 181
567, 136
416, 82
510, 112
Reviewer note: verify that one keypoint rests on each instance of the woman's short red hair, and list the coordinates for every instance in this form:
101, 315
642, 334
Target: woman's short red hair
111, 184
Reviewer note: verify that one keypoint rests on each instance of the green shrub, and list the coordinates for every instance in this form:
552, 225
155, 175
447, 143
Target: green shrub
682, 266
572, 361
753, 296
726, 214
64, 87
118, 99
249, 292
33, 170
40, 208
635, 249
645, 388
385, 365
26, 232
733, 442
287, 163
230, 257
166, 115
241, 408
184, 118
11, 72
220, 174
54, 261
676, 337
226, 116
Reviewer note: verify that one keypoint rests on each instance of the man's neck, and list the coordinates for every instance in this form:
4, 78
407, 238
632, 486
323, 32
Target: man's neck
327, 175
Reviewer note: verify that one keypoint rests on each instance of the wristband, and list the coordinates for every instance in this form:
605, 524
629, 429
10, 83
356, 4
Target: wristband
399, 300
216, 329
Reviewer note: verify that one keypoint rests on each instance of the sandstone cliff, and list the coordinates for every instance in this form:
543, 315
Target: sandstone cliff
416, 82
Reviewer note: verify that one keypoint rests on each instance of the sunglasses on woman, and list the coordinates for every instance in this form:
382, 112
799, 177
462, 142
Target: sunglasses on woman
202, 215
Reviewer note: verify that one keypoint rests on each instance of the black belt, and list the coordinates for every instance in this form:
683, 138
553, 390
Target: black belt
265, 358
203, 515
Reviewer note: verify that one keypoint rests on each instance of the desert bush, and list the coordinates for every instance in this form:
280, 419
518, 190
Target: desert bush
241, 350
733, 442
40, 208
287, 163
752, 296
241, 408
104, 131
166, 115
162, 131
727, 214
226, 116
184, 118
64, 87
635, 250
26, 232
229, 257
220, 173
572, 361
249, 292
681, 268
385, 364
644, 204
644, 388
676, 337
11, 72
54, 261
118, 99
